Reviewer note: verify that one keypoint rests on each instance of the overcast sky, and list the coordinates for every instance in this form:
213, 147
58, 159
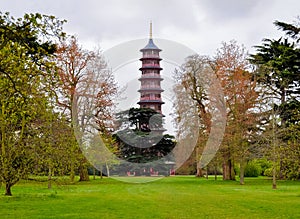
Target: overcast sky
200, 25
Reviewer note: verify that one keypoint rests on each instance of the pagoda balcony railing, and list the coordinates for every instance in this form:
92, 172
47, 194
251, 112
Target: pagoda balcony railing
150, 65
150, 56
151, 98
150, 87
150, 75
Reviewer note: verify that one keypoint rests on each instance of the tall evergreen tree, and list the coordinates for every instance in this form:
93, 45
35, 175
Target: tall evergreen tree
278, 72
140, 137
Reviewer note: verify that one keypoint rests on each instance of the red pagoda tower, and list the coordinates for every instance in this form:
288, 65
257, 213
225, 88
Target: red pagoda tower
150, 89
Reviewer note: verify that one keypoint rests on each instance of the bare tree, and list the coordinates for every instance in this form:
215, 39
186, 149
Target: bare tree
232, 69
85, 95
197, 108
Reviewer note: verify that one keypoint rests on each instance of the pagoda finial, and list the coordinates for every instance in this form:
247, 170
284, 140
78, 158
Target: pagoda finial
150, 29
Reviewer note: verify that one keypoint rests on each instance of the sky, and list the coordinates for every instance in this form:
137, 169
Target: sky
198, 25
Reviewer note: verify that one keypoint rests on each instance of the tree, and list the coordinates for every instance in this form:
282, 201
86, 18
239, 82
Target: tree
192, 90
72, 62
231, 67
200, 107
292, 30
51, 139
197, 86
278, 68
102, 152
26, 48
85, 95
290, 135
278, 64
141, 141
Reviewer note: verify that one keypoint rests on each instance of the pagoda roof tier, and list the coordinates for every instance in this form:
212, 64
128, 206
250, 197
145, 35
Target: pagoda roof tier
150, 89
151, 101
150, 78
150, 58
150, 46
150, 67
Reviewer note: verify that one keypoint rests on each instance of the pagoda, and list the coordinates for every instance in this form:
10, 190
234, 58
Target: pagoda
150, 90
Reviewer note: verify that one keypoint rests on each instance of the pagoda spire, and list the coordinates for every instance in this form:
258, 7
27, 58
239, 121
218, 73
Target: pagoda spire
150, 29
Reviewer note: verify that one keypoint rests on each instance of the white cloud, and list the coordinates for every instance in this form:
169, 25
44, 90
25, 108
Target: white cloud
201, 25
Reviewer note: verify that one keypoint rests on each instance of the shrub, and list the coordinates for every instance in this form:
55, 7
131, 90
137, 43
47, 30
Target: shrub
268, 172
236, 170
264, 164
253, 169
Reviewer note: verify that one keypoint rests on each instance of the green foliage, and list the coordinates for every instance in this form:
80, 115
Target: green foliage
264, 164
26, 46
292, 30
53, 142
253, 169
278, 67
290, 153
269, 172
236, 169
279, 62
143, 126
141, 142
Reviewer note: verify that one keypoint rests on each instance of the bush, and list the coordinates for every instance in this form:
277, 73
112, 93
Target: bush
253, 169
268, 172
264, 164
236, 169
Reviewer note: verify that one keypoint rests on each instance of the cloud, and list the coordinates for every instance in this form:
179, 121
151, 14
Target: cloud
199, 24
227, 10
114, 18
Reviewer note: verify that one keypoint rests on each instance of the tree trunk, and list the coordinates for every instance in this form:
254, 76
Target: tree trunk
232, 172
94, 173
281, 176
225, 171
72, 171
215, 169
228, 170
49, 178
83, 173
199, 170
242, 172
8, 189
107, 169
274, 184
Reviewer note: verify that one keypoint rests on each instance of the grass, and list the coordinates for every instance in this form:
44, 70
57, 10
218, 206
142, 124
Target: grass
171, 197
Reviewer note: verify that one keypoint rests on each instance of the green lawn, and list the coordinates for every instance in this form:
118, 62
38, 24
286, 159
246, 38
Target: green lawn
171, 197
